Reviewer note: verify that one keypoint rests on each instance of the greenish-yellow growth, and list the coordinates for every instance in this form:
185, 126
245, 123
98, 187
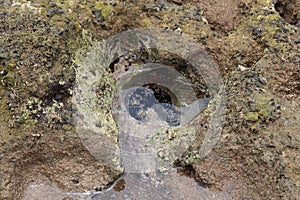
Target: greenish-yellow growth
146, 23
105, 9
251, 116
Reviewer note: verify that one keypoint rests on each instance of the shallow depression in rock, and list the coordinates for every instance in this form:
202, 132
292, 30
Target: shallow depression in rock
152, 104
159, 89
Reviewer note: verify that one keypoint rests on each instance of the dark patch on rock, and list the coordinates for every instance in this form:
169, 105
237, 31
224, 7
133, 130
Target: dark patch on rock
289, 10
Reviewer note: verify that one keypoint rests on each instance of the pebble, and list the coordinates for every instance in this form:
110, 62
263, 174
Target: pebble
36, 135
58, 96
3, 73
242, 68
178, 2
262, 80
256, 31
113, 3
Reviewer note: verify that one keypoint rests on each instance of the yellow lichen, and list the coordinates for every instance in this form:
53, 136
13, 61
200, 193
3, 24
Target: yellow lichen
146, 23
251, 116
106, 9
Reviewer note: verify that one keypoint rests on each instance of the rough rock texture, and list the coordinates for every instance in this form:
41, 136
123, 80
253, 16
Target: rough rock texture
255, 43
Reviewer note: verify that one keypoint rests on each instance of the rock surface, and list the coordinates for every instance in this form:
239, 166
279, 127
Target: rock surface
255, 43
